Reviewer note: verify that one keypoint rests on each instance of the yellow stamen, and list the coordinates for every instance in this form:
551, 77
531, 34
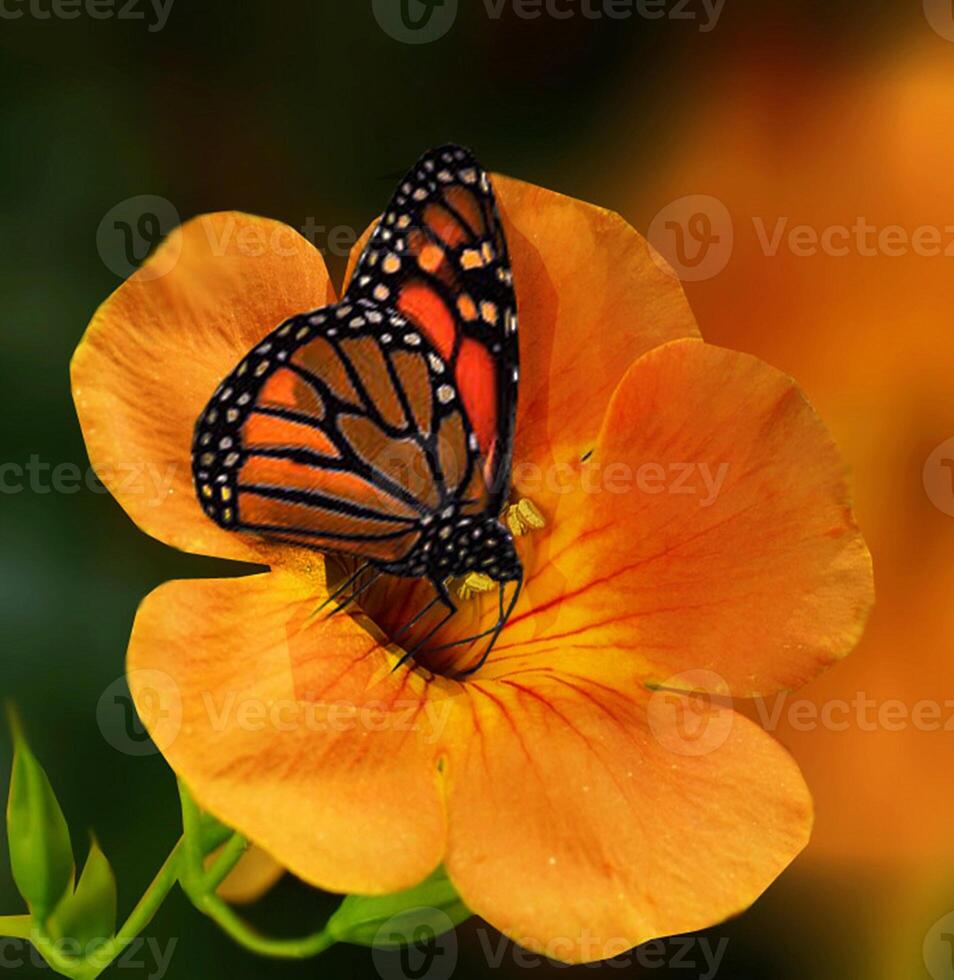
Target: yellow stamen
523, 517
474, 583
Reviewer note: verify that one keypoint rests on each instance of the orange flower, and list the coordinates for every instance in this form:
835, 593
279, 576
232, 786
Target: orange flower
697, 525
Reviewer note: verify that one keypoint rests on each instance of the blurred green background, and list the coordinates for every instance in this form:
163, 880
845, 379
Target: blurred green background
304, 111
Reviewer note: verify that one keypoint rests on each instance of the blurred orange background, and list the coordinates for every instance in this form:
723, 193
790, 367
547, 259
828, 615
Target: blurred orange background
828, 115
870, 337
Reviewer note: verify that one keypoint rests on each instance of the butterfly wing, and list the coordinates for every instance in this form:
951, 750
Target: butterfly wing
342, 432
439, 258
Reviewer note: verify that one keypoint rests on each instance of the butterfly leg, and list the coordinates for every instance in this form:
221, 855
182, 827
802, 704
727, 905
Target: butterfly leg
493, 632
353, 577
417, 617
443, 596
357, 593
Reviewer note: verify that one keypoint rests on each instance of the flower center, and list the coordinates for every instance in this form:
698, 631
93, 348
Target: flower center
411, 616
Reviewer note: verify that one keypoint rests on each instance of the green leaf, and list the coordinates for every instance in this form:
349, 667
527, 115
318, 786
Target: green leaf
89, 913
392, 921
41, 856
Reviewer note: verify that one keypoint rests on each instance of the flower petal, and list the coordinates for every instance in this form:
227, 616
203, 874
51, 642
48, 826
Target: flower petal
584, 822
592, 298
155, 351
710, 530
292, 728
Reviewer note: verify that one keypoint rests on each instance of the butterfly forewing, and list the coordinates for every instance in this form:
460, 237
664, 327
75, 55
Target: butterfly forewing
352, 427
439, 257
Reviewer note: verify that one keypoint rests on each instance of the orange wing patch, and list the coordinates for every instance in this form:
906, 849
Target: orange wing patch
400, 460
414, 379
477, 382
288, 390
368, 361
468, 207
271, 432
319, 527
320, 359
343, 485
421, 304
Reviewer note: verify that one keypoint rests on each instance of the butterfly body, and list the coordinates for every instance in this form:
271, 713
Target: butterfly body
381, 427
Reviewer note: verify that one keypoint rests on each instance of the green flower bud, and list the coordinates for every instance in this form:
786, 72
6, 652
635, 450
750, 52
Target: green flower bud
41, 856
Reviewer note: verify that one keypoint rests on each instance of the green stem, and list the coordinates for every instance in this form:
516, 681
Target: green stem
231, 854
192, 835
235, 926
148, 905
200, 886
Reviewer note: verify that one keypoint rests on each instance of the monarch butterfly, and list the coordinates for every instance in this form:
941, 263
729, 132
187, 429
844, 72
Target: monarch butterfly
381, 427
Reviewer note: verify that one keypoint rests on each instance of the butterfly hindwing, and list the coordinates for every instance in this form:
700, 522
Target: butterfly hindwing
439, 258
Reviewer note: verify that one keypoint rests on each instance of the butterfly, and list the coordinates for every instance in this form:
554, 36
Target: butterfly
381, 427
